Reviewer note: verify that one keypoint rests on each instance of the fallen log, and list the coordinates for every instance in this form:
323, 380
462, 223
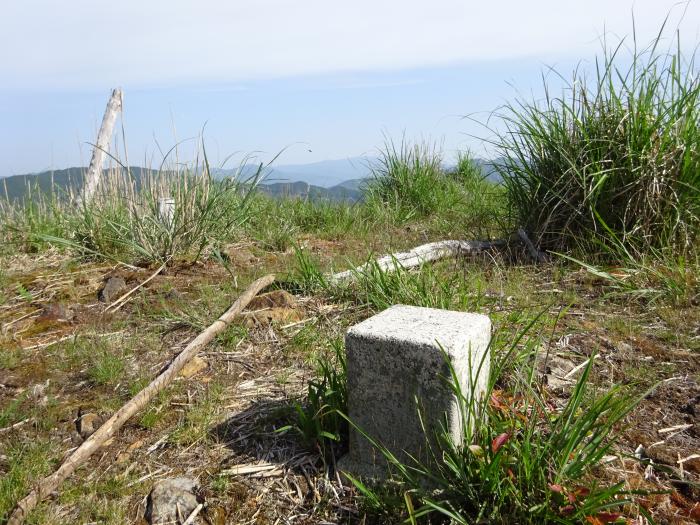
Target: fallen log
50, 483
420, 255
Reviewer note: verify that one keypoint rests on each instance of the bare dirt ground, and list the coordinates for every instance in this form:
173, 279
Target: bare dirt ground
65, 359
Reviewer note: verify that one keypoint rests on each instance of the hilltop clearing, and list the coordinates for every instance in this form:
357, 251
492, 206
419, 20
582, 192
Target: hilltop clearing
586, 262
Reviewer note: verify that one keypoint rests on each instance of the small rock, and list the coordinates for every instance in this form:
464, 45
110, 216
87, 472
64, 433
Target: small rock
56, 312
215, 516
278, 306
241, 257
38, 392
125, 456
113, 288
167, 497
692, 407
136, 444
274, 299
196, 365
272, 315
87, 423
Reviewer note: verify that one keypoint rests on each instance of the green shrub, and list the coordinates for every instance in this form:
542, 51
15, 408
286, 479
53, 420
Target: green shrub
614, 161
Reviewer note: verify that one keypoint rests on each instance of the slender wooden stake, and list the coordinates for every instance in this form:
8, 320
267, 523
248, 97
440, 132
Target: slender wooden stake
50, 483
420, 255
92, 177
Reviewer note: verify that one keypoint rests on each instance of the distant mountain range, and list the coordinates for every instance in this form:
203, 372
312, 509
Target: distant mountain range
17, 186
339, 192
325, 174
330, 179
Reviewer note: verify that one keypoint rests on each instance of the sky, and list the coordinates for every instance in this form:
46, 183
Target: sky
315, 79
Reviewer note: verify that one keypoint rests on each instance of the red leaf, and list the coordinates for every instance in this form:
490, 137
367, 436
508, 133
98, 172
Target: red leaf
608, 517
567, 510
695, 512
556, 488
499, 441
582, 492
496, 401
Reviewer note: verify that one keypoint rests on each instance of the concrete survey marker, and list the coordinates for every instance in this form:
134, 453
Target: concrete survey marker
394, 359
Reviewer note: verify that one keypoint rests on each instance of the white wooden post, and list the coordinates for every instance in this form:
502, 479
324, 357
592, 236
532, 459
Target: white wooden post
92, 177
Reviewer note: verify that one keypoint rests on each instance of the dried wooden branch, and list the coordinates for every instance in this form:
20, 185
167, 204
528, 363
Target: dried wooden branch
420, 255
50, 483
193, 516
104, 136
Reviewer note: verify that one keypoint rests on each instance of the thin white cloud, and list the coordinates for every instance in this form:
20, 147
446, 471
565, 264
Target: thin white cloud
45, 44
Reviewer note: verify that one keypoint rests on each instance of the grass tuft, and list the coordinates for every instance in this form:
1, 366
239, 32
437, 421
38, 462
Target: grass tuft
318, 421
612, 163
408, 180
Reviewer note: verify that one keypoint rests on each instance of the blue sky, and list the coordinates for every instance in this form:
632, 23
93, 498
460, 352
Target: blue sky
263, 75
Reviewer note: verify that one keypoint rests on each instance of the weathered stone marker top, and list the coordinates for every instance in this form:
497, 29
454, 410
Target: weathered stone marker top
394, 359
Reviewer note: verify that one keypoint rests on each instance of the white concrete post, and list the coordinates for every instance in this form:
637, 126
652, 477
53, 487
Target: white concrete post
395, 359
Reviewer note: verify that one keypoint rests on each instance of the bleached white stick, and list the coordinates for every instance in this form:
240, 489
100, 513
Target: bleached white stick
420, 255
92, 177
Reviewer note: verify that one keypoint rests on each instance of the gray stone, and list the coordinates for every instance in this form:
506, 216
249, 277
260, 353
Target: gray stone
56, 312
113, 288
395, 363
87, 423
171, 501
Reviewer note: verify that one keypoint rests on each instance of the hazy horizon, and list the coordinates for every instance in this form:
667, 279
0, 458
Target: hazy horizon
317, 81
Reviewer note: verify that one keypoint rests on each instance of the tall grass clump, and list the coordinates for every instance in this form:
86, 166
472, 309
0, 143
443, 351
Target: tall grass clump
278, 223
408, 181
206, 212
613, 163
378, 288
482, 210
